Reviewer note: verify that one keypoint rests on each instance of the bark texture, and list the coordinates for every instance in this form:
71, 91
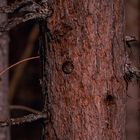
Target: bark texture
84, 71
4, 132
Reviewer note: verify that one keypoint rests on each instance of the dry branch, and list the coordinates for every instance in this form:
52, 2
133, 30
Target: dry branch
25, 119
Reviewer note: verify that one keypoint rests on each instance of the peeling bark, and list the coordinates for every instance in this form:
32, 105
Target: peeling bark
86, 92
4, 132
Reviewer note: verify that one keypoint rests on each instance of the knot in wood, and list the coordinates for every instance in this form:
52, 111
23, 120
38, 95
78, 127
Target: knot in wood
67, 67
109, 99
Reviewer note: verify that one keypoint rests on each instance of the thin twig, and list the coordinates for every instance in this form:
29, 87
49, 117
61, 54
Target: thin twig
19, 62
21, 120
24, 108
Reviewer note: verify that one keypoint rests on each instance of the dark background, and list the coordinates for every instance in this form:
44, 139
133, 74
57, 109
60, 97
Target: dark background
24, 86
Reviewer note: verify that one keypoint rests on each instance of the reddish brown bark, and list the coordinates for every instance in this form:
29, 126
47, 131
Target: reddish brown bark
4, 132
132, 28
85, 68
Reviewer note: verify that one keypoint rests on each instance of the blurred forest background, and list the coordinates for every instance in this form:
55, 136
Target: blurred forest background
24, 87
133, 105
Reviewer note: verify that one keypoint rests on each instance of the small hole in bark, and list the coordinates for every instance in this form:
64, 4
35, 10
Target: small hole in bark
67, 67
110, 99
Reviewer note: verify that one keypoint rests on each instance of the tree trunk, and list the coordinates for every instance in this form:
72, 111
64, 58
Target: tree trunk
86, 92
4, 132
